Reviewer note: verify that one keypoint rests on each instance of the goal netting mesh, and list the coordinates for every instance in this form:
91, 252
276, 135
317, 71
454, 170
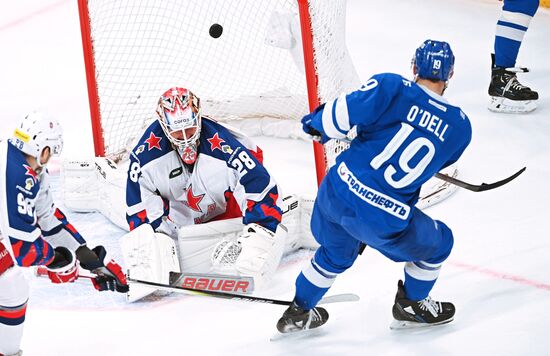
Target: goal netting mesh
251, 75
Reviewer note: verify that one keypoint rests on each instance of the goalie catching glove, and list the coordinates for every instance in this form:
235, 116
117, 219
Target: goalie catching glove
63, 268
109, 276
261, 252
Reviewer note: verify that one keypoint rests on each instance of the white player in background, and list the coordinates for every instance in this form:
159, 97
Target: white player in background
34, 231
187, 169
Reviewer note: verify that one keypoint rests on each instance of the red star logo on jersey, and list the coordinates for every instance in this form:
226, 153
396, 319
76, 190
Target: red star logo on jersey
215, 142
30, 172
194, 200
153, 142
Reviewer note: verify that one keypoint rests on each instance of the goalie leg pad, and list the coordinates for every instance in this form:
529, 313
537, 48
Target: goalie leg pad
261, 252
200, 245
436, 190
96, 184
148, 256
297, 218
196, 253
306, 237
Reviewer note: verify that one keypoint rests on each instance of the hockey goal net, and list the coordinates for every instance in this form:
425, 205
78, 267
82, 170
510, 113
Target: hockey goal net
268, 62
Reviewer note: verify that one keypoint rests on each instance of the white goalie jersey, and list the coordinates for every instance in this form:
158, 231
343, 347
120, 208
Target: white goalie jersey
227, 180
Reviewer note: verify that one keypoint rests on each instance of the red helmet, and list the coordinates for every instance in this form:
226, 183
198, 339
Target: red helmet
180, 117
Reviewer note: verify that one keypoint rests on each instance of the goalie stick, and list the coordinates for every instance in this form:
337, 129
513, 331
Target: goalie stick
483, 186
348, 297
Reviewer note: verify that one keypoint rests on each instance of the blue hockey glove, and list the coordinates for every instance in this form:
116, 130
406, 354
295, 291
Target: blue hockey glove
312, 128
308, 129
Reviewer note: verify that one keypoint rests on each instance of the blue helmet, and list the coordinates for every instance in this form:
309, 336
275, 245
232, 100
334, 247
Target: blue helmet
434, 60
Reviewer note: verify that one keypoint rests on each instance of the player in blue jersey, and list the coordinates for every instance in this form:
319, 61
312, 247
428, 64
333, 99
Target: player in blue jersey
34, 231
506, 92
406, 133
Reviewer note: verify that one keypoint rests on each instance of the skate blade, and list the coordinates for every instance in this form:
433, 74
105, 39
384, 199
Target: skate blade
402, 324
507, 106
295, 335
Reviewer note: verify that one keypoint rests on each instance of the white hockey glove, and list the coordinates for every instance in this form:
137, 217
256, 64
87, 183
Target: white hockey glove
261, 252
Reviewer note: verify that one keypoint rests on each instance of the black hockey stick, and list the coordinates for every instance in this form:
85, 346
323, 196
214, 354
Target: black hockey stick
483, 186
348, 297
474, 188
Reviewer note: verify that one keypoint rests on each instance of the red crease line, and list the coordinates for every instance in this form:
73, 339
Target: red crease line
500, 275
27, 17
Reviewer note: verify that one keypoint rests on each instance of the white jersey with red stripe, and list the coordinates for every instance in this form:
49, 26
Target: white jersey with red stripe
227, 180
30, 222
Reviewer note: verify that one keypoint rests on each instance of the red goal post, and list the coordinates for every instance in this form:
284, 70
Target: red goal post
134, 50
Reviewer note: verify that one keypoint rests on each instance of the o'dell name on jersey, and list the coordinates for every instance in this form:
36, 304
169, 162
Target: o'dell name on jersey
432, 123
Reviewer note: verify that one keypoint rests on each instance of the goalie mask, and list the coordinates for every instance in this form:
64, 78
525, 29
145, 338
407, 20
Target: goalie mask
180, 117
35, 133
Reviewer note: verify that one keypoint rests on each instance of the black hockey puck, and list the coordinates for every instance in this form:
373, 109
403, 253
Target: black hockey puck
216, 30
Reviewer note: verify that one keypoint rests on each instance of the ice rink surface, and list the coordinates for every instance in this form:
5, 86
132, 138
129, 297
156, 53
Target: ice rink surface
498, 275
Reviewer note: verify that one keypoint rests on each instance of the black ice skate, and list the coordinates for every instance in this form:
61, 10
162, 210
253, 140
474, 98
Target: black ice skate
508, 94
415, 314
297, 319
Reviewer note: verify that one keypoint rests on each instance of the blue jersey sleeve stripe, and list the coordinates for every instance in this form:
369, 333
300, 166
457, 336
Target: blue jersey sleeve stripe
329, 125
341, 114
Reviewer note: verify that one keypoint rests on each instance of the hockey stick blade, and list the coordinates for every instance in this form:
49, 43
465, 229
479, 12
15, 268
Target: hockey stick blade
348, 297
483, 186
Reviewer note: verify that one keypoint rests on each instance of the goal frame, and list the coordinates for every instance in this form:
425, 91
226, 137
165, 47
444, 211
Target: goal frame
93, 95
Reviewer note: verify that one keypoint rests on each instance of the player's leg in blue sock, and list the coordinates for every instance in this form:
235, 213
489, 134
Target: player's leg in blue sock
337, 253
511, 27
424, 245
422, 269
